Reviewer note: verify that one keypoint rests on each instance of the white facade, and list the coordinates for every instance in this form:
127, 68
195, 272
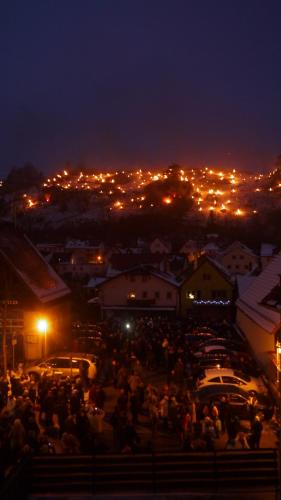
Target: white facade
136, 291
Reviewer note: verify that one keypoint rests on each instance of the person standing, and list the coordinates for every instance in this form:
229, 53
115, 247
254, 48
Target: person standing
257, 428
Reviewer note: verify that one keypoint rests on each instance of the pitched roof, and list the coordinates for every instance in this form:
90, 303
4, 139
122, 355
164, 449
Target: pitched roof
251, 301
211, 246
273, 298
243, 247
205, 258
29, 265
144, 270
121, 262
96, 281
190, 244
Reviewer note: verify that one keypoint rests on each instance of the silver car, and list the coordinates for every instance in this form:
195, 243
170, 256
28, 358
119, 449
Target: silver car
63, 365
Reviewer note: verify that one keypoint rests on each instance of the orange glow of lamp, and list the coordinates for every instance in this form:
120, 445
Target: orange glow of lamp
42, 326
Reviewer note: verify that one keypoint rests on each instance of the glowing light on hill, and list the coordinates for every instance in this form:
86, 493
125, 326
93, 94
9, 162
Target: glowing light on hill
239, 212
167, 200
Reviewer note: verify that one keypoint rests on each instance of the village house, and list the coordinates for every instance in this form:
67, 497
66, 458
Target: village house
237, 258
158, 245
191, 250
142, 289
206, 288
80, 260
30, 290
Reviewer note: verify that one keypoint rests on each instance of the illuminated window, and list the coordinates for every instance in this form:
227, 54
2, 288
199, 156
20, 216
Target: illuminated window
131, 295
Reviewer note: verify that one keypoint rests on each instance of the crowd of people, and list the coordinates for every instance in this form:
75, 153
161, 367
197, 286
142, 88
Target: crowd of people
47, 415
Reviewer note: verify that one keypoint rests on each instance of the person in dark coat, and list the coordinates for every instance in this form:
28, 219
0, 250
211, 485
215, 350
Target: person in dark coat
255, 437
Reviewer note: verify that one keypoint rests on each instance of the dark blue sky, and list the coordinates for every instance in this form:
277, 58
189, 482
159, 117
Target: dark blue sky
127, 83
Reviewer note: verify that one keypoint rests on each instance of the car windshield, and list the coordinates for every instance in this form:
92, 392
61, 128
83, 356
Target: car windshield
241, 375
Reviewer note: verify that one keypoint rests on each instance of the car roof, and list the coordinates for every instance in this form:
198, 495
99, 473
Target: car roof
210, 348
221, 389
219, 371
75, 355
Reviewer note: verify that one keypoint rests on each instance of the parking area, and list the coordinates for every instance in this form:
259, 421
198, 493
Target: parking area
171, 358
145, 384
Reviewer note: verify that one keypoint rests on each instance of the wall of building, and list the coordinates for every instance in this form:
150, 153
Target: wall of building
261, 342
239, 262
116, 292
206, 283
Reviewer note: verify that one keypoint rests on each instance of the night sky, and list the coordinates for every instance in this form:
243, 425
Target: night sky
140, 83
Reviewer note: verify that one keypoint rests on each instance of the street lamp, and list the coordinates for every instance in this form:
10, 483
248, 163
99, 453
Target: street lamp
42, 325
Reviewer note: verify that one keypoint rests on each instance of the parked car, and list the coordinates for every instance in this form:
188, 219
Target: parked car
228, 376
205, 329
219, 360
194, 339
210, 349
63, 365
227, 343
224, 360
238, 400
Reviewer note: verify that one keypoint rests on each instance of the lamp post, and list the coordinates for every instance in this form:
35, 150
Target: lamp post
42, 326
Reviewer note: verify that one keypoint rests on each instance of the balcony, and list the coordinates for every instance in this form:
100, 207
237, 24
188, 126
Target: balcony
140, 302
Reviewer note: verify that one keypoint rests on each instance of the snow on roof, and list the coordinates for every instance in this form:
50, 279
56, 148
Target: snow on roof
243, 247
267, 250
243, 282
166, 277
250, 300
75, 244
95, 281
146, 269
27, 262
210, 246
